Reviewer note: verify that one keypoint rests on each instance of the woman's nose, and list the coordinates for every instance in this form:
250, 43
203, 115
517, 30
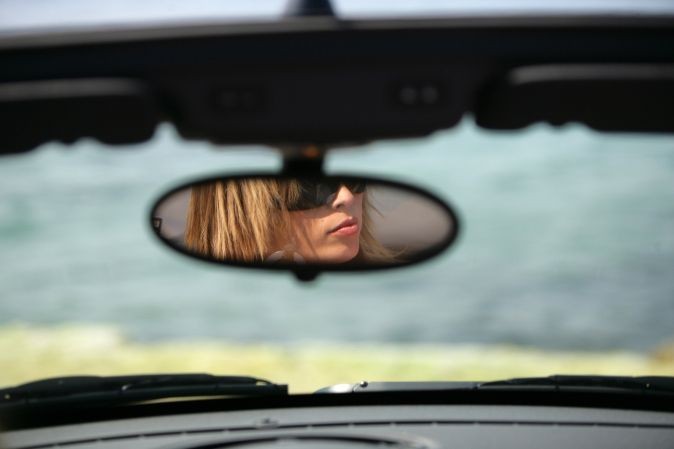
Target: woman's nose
344, 197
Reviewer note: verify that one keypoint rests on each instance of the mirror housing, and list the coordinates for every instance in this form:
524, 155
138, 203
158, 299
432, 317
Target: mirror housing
305, 224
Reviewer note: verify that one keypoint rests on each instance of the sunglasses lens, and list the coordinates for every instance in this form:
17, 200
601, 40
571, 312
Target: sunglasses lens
355, 187
322, 193
325, 194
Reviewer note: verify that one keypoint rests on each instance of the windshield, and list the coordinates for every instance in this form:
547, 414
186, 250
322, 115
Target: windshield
22, 16
563, 266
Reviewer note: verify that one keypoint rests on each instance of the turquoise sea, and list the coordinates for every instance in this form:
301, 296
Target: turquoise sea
567, 242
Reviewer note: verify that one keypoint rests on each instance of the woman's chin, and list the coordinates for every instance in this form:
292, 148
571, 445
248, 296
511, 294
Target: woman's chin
346, 254
338, 255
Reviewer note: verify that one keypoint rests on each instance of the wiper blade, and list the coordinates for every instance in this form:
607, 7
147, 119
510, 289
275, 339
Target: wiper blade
125, 389
661, 384
604, 384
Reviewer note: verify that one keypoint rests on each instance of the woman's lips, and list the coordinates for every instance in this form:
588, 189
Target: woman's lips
346, 227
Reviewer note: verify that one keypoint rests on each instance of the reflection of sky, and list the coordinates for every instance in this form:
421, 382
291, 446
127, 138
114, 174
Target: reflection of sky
23, 14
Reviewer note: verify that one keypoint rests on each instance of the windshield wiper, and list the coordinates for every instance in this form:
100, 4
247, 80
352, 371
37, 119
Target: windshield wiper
645, 384
80, 390
562, 383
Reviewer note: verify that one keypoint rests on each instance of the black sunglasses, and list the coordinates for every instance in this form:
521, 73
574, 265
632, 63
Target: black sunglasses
322, 193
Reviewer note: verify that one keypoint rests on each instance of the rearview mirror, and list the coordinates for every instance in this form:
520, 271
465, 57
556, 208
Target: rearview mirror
304, 224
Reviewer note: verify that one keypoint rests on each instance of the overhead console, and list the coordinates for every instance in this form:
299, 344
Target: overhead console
328, 81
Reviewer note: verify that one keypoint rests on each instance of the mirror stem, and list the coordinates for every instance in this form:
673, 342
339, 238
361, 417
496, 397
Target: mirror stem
307, 8
305, 160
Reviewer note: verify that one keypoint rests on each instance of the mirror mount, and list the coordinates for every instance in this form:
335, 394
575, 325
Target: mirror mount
303, 160
306, 275
309, 8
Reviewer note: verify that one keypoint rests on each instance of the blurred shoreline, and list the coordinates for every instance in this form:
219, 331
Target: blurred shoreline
30, 352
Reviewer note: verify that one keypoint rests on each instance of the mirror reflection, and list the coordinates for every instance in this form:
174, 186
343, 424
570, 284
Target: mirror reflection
326, 220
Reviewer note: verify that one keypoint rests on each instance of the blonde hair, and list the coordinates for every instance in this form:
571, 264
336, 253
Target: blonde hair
241, 219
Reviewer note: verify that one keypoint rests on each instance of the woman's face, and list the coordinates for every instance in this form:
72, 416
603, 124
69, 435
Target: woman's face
330, 233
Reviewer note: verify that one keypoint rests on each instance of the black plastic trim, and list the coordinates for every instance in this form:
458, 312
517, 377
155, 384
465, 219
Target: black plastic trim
16, 418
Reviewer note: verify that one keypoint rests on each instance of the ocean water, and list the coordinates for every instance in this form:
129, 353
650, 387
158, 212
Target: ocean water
567, 243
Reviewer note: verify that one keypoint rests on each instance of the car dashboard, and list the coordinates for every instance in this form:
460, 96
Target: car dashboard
400, 426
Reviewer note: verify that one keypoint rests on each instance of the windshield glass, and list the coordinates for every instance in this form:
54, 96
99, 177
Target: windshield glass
563, 266
22, 16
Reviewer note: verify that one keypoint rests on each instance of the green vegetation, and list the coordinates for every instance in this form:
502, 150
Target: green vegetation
28, 353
